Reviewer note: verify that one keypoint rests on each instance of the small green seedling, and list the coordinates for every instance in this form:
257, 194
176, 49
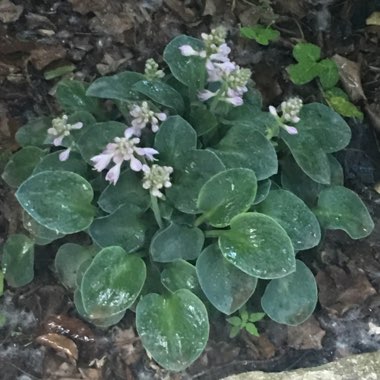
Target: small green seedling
245, 321
260, 33
338, 100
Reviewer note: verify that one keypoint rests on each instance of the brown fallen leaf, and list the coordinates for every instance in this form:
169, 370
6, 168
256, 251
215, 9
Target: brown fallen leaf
61, 344
349, 72
42, 55
373, 113
306, 336
10, 12
71, 327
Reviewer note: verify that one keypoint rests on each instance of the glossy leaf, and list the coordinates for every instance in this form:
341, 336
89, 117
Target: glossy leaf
181, 275
294, 216
202, 119
71, 95
251, 117
18, 260
112, 282
188, 70
340, 208
263, 188
176, 242
21, 165
125, 228
226, 195
292, 299
161, 93
175, 137
243, 147
117, 87
193, 168
96, 137
33, 132
127, 190
40, 234
58, 200
73, 164
68, 261
258, 245
225, 286
174, 329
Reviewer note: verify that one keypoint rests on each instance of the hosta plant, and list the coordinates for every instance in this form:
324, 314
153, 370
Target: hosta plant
186, 193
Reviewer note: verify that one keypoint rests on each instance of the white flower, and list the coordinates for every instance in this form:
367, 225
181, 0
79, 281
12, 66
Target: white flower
64, 155
290, 110
122, 149
155, 178
152, 70
61, 128
143, 115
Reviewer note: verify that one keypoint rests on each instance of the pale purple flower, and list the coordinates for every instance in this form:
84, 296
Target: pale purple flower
221, 54
64, 155
290, 130
122, 149
143, 115
234, 97
205, 95
290, 110
187, 51
61, 128
155, 178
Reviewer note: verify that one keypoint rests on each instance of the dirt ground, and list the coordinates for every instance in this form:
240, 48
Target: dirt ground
99, 37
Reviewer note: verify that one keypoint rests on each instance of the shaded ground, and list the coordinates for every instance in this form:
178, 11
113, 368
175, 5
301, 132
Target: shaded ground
99, 37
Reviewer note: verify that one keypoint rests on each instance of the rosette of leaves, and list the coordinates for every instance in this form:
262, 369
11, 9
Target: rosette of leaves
225, 224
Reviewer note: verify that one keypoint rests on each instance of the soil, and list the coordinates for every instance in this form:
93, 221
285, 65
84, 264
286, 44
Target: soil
99, 37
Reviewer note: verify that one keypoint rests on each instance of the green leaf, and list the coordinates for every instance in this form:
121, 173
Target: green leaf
306, 52
261, 34
127, 190
102, 322
59, 71
40, 234
340, 208
234, 321
125, 228
161, 93
304, 72
263, 188
202, 119
243, 147
71, 95
226, 195
234, 331
258, 246
18, 260
112, 282
181, 275
176, 242
34, 132
59, 200
192, 169
294, 216
52, 162
328, 73
326, 126
96, 137
175, 137
309, 155
190, 71
339, 101
251, 117
21, 165
252, 329
68, 261
244, 315
117, 87
225, 286
337, 175
174, 329
255, 317
292, 299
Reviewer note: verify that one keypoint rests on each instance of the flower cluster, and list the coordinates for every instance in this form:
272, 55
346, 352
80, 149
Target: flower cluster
155, 178
220, 68
290, 113
59, 130
143, 115
152, 70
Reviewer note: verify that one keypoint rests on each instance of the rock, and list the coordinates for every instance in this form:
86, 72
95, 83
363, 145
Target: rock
357, 367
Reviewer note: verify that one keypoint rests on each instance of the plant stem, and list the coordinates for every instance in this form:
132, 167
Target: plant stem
214, 233
156, 210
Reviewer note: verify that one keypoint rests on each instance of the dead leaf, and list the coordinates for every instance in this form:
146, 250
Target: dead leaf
179, 8
86, 6
10, 12
61, 344
112, 24
42, 55
71, 327
340, 291
306, 336
349, 72
129, 345
374, 19
373, 113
